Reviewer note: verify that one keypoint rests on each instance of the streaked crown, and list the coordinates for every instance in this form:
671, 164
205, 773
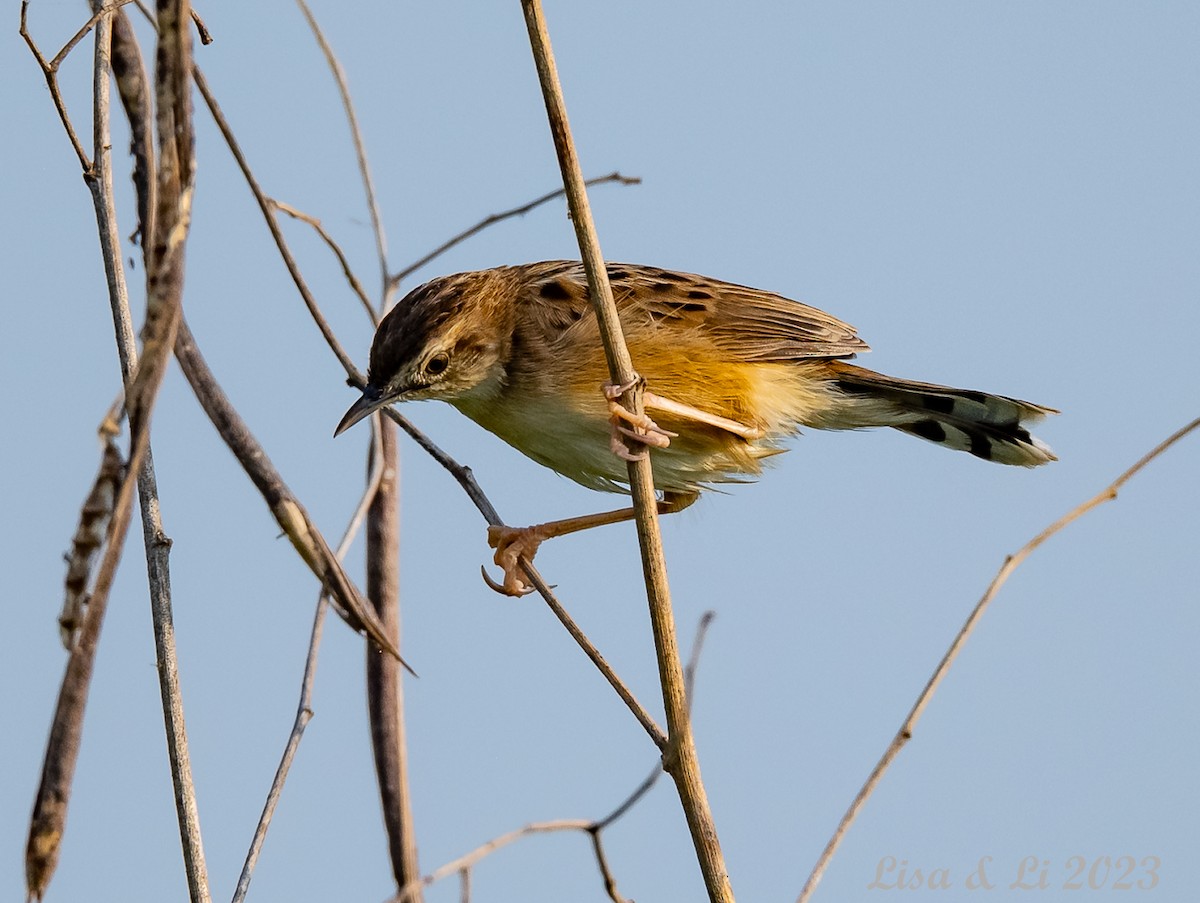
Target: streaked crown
438, 341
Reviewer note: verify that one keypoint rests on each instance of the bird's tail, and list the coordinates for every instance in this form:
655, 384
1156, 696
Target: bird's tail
991, 427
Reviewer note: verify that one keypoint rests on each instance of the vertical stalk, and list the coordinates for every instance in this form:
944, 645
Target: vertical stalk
679, 758
385, 698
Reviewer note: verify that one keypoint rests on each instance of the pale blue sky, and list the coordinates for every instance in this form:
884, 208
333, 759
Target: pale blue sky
999, 196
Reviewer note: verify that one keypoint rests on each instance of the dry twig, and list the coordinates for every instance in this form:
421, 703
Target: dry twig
463, 864
304, 714
679, 760
360, 147
495, 218
466, 861
385, 691
141, 387
460, 473
304, 711
347, 271
285, 507
268, 210
1011, 563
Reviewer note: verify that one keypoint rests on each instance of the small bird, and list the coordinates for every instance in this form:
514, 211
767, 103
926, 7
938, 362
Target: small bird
730, 373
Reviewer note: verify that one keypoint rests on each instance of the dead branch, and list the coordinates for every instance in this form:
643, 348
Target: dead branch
347, 271
594, 828
284, 506
385, 697
304, 711
1011, 563
89, 538
679, 759
495, 218
461, 474
141, 387
360, 147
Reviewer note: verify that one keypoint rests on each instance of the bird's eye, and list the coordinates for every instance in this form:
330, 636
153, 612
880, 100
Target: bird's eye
437, 364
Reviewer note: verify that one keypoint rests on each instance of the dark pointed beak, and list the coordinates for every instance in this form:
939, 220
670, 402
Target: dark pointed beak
371, 401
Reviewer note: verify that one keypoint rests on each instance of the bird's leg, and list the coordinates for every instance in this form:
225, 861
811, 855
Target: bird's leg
686, 411
646, 431
516, 544
641, 428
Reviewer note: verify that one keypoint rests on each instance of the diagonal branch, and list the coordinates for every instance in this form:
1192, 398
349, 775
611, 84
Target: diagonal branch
284, 506
466, 479
385, 690
268, 212
304, 712
356, 379
462, 865
1011, 563
50, 71
347, 271
360, 148
500, 217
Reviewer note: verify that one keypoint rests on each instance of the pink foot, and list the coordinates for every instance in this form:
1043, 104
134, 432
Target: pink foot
644, 429
511, 545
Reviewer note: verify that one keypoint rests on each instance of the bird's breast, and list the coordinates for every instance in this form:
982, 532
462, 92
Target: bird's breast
569, 439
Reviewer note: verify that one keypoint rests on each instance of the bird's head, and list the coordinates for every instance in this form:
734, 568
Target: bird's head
440, 342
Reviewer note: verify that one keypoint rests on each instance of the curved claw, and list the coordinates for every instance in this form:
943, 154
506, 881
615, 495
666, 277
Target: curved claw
500, 588
655, 435
612, 391
641, 428
617, 447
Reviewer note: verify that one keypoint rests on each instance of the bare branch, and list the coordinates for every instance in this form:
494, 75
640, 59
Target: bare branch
268, 212
500, 217
304, 714
304, 711
50, 72
1011, 563
610, 882
355, 285
50, 68
680, 759
483, 850
689, 675
360, 149
284, 506
593, 828
385, 696
141, 386
466, 479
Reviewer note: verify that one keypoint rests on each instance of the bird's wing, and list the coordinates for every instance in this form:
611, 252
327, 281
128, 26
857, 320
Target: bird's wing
745, 324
